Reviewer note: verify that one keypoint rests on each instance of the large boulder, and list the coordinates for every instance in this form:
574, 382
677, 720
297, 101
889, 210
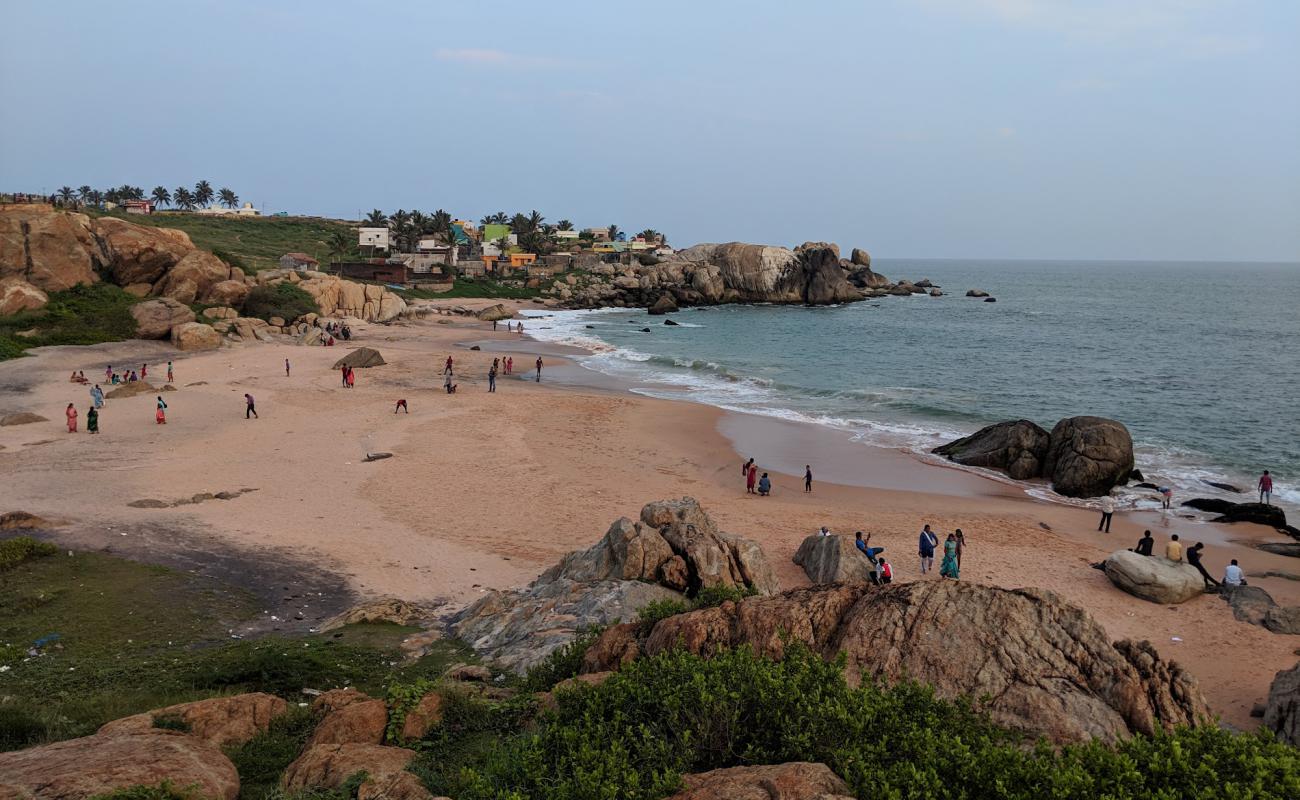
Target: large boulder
77, 769
664, 305
1282, 711
195, 336
360, 358
796, 780
627, 552
341, 298
154, 319
713, 557
1154, 578
860, 257
140, 253
1034, 662
1088, 456
18, 295
192, 278
1258, 513
833, 559
328, 766
51, 250
495, 313
752, 273
1017, 447
351, 720
219, 721
230, 292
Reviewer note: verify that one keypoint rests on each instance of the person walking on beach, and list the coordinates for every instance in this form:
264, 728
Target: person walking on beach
71, 414
539, 369
807, 477
1107, 511
160, 415
1266, 488
948, 567
961, 545
751, 478
401, 406
92, 420
286, 368
446, 368
1174, 549
1233, 576
170, 376
926, 549
1145, 545
251, 406
97, 395
1194, 558
510, 365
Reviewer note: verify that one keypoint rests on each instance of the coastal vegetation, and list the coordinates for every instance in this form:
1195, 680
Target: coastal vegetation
81, 315
284, 300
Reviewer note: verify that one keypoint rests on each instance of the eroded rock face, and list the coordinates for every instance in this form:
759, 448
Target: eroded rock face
1046, 666
154, 319
833, 559
1088, 456
51, 250
18, 295
93, 765
341, 298
192, 278
1154, 578
796, 780
1282, 712
495, 313
219, 721
356, 720
674, 550
1017, 447
140, 253
750, 273
327, 766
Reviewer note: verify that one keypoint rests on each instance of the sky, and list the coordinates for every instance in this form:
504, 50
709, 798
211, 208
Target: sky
1111, 129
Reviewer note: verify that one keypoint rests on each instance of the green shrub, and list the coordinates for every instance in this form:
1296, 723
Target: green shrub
657, 610
163, 791
710, 596
401, 698
80, 315
284, 300
262, 760
232, 260
23, 548
561, 664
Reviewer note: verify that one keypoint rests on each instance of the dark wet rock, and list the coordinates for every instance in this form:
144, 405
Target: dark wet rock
990, 299
1282, 711
1017, 447
669, 322
1258, 513
1088, 456
1212, 505
1227, 487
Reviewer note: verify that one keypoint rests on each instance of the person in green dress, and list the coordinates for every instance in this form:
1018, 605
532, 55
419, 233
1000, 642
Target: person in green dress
92, 420
948, 567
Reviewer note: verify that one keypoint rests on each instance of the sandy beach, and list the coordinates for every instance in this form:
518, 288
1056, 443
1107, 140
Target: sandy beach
486, 490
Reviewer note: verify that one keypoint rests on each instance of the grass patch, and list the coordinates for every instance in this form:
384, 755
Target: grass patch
252, 243
477, 287
562, 664
283, 300
80, 315
23, 548
262, 760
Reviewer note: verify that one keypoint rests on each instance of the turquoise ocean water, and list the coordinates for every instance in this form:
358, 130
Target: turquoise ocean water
1201, 361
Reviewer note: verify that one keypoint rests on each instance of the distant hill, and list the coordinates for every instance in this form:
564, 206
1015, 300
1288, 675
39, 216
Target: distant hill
250, 243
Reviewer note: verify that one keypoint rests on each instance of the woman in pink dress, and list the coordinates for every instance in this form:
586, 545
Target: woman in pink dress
750, 478
72, 418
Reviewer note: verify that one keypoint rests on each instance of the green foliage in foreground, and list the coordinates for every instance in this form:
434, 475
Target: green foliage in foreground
283, 300
80, 315
262, 760
22, 548
562, 664
634, 736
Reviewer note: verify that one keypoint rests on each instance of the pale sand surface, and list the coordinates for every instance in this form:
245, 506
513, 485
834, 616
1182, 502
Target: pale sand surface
486, 490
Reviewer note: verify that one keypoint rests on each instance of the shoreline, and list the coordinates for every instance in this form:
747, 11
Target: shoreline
488, 490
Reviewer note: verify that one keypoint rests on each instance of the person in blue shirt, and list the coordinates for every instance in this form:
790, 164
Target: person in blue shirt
765, 485
926, 549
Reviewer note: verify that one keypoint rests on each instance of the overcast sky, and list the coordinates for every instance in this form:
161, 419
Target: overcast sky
1110, 129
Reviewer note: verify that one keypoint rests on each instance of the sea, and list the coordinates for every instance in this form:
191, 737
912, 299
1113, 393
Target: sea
1200, 360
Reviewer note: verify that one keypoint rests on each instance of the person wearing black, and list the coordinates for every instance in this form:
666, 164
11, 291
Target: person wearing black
1145, 544
1194, 558
807, 478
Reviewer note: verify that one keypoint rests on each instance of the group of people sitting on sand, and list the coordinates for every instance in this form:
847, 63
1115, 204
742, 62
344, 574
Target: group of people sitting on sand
339, 329
1174, 551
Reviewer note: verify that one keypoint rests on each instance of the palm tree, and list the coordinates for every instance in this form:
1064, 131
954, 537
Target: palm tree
441, 224
84, 193
183, 198
228, 198
613, 232
535, 220
564, 225
400, 224
203, 193
161, 197
128, 192
93, 196
499, 218
66, 194
342, 244
377, 219
651, 236
518, 224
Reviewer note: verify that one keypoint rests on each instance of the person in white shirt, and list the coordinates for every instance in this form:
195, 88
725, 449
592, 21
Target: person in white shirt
825, 531
1107, 511
1233, 576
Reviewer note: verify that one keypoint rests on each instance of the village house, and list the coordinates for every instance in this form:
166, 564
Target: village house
299, 262
373, 238
439, 251
246, 210
138, 206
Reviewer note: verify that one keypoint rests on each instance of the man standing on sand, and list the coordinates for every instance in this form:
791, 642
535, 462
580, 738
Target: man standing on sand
286, 368
1194, 558
1266, 488
1174, 550
1107, 511
927, 543
539, 369
492, 378
807, 477
1145, 545
251, 408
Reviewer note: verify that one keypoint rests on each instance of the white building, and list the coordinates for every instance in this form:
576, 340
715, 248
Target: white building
374, 238
440, 250
491, 249
566, 236
246, 210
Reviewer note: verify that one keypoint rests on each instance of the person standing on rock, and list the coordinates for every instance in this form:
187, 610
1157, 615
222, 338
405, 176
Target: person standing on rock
1107, 511
807, 477
1194, 558
251, 406
539, 369
1145, 545
1266, 488
160, 415
71, 414
926, 550
885, 571
92, 420
1174, 549
1233, 576
948, 567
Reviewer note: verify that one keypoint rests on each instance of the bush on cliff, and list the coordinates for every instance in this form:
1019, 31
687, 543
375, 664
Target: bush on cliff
283, 300
635, 734
80, 315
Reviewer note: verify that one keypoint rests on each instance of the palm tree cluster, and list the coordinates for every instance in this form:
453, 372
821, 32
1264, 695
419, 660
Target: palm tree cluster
182, 197
408, 227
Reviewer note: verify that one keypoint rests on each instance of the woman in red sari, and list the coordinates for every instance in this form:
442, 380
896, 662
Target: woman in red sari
72, 418
750, 478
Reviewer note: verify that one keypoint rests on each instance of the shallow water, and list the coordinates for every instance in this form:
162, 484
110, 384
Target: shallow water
1200, 361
